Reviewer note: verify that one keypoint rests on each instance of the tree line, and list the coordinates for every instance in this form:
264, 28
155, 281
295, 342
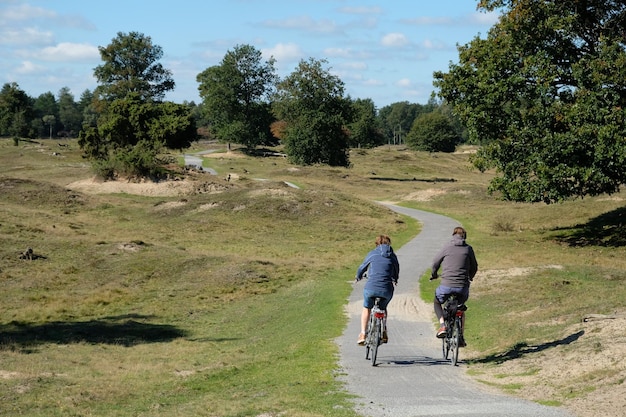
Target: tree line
543, 94
124, 123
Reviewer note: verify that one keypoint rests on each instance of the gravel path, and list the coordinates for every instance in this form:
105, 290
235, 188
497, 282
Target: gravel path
412, 379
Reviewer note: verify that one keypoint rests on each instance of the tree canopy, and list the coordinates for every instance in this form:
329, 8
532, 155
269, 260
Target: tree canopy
432, 132
311, 102
131, 67
365, 129
544, 93
16, 111
236, 94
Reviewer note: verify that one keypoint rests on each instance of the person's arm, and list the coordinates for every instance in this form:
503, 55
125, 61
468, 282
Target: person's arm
473, 264
363, 267
437, 260
396, 269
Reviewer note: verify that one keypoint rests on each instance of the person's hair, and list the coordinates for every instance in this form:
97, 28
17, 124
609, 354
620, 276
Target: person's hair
460, 231
383, 240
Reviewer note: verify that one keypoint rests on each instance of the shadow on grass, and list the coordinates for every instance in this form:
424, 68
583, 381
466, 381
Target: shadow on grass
111, 330
604, 230
434, 180
522, 349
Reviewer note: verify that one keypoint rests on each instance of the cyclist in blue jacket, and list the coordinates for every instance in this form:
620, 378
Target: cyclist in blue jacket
382, 268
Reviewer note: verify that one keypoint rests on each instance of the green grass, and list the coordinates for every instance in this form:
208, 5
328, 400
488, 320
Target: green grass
226, 302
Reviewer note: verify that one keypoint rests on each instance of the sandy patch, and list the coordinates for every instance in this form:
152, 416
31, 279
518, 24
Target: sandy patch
148, 188
172, 188
425, 195
224, 155
585, 368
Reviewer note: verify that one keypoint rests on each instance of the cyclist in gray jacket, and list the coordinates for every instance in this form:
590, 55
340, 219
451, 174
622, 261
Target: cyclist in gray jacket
382, 268
458, 268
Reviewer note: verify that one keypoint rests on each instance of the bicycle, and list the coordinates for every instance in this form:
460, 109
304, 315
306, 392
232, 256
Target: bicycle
453, 313
374, 332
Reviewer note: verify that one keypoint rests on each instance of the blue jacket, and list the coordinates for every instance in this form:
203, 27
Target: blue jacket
382, 269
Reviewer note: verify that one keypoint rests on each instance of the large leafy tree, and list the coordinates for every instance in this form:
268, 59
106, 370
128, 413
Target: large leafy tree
311, 102
16, 111
236, 94
126, 123
544, 93
131, 67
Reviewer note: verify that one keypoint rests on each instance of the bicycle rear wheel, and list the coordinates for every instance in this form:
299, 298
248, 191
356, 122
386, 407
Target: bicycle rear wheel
455, 341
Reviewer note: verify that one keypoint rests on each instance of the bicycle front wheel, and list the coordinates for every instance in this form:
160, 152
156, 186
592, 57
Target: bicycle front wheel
375, 340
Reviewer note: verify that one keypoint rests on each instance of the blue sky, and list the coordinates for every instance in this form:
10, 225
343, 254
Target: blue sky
383, 50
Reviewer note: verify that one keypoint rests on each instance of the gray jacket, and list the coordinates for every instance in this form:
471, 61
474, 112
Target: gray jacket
459, 263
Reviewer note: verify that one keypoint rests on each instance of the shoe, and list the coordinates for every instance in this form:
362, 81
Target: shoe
361, 340
441, 333
385, 338
462, 343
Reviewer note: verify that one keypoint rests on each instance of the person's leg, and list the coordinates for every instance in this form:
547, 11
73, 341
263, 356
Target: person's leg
441, 294
463, 297
365, 318
368, 303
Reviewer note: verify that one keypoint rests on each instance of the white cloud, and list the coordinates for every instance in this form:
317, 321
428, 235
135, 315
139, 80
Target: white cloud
361, 10
67, 51
354, 65
25, 12
27, 67
394, 40
337, 52
404, 83
26, 36
372, 82
283, 52
433, 44
490, 18
427, 20
304, 23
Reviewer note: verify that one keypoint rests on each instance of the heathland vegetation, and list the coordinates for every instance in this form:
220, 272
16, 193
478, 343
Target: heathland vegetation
221, 295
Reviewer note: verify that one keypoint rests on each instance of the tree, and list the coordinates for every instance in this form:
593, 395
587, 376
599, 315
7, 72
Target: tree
126, 125
545, 94
397, 118
236, 97
131, 67
129, 137
311, 101
45, 105
365, 130
70, 115
16, 111
432, 132
49, 120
